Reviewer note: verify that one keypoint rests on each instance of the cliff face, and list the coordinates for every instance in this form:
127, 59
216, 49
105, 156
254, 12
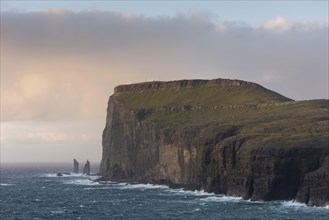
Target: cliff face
223, 136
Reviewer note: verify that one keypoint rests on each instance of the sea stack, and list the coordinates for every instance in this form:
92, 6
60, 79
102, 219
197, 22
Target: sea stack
75, 166
86, 169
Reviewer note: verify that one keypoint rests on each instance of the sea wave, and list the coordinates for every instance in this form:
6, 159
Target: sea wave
5, 184
197, 210
58, 211
84, 182
97, 188
298, 205
140, 186
293, 203
73, 178
63, 175
183, 192
222, 198
105, 182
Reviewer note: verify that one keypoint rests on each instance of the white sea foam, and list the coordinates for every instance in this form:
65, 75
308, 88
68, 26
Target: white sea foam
294, 204
84, 182
255, 201
197, 210
64, 175
74, 178
5, 184
297, 205
183, 192
93, 188
140, 186
58, 211
202, 193
105, 182
221, 198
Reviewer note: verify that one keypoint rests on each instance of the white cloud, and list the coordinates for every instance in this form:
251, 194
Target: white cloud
56, 11
278, 24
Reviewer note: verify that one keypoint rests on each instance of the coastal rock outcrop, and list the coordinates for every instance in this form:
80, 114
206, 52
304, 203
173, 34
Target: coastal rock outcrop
86, 168
75, 166
315, 187
268, 147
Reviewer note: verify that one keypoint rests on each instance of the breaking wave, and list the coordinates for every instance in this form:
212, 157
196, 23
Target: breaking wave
140, 186
221, 198
64, 175
298, 205
5, 184
183, 192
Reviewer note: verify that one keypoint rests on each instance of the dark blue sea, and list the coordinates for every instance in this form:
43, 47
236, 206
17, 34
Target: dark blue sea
35, 192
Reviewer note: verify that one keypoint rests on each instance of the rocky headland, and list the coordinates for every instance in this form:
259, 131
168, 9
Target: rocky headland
223, 136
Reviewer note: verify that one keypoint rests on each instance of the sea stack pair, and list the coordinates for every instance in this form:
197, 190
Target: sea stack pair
86, 169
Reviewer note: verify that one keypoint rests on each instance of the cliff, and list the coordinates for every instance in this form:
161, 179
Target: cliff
223, 136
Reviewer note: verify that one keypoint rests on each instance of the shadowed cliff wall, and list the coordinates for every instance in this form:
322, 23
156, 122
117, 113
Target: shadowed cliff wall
217, 156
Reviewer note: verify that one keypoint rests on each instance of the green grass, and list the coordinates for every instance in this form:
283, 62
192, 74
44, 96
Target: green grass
201, 95
302, 121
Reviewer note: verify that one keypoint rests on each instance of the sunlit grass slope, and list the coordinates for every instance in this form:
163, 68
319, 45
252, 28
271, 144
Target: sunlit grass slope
201, 95
286, 121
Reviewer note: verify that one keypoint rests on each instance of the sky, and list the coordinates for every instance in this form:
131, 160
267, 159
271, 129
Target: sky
60, 61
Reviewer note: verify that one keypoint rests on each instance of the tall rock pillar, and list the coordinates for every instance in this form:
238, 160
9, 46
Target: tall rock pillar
75, 166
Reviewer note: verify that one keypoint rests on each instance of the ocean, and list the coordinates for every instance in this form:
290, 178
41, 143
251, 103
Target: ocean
35, 192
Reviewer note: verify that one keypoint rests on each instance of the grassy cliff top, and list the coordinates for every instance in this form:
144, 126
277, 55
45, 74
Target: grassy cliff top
302, 121
257, 112
194, 93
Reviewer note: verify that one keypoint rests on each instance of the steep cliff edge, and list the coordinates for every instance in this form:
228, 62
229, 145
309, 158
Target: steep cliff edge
223, 136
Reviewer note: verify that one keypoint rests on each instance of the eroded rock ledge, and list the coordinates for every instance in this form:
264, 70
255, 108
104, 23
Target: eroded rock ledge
179, 84
259, 151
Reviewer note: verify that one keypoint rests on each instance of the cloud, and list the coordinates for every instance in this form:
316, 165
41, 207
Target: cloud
56, 11
49, 142
58, 68
60, 65
278, 24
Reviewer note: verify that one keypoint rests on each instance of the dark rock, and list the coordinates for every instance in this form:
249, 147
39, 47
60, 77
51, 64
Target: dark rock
177, 85
75, 166
59, 174
255, 158
315, 187
86, 168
